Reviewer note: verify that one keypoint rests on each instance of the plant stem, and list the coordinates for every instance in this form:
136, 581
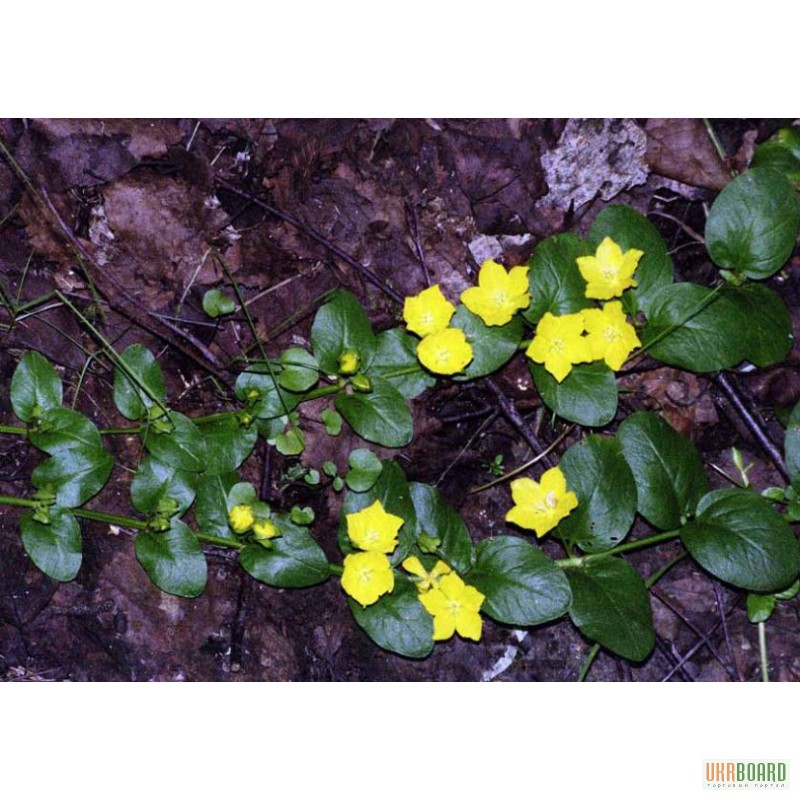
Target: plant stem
111, 519
14, 431
335, 569
762, 649
582, 561
120, 431
219, 541
587, 663
322, 391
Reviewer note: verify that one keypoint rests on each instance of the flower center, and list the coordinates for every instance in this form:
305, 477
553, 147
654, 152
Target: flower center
557, 346
427, 318
365, 574
611, 334
500, 297
551, 500
453, 607
611, 274
371, 535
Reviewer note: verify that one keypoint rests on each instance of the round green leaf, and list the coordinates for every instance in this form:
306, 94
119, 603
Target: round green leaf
64, 429
129, 398
556, 283
211, 509
292, 561
588, 395
611, 606
393, 491
75, 475
54, 548
603, 482
217, 303
629, 229
381, 416
340, 325
760, 607
667, 469
752, 226
397, 622
273, 401
183, 447
365, 468
792, 447
492, 345
691, 327
290, 442
740, 538
35, 387
228, 444
782, 152
300, 370
332, 421
522, 585
173, 560
396, 362
155, 482
439, 520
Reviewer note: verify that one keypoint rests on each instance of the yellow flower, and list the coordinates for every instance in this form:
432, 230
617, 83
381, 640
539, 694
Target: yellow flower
499, 294
454, 607
349, 362
611, 336
374, 529
445, 352
367, 576
541, 506
264, 530
558, 344
429, 312
425, 580
609, 272
241, 518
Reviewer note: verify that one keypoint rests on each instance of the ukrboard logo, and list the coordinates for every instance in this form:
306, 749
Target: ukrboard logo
746, 775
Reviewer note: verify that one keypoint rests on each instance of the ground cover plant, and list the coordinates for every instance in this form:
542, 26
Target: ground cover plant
295, 454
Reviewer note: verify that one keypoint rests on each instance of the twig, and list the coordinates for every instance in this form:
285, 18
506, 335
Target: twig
718, 595
414, 222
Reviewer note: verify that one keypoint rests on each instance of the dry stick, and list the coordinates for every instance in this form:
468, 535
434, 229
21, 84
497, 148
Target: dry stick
119, 301
510, 412
672, 660
704, 639
752, 422
718, 594
412, 214
239, 622
482, 427
364, 271
664, 600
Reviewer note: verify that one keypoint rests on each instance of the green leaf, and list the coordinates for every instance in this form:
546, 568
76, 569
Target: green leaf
689, 327
273, 401
522, 585
393, 491
211, 509
217, 303
601, 478
129, 398
365, 468
397, 622
760, 607
173, 560
396, 362
763, 327
155, 482
291, 442
556, 283
740, 538
781, 152
243, 494
64, 429
332, 421
588, 395
292, 561
382, 416
35, 387
492, 345
440, 521
183, 447
54, 548
629, 229
340, 325
302, 516
300, 370
75, 475
611, 606
667, 469
790, 593
752, 226
228, 444
792, 447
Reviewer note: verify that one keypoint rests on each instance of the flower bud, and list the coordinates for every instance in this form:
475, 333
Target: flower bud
349, 362
361, 383
241, 518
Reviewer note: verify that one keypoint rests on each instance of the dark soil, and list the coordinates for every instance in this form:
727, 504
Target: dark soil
411, 200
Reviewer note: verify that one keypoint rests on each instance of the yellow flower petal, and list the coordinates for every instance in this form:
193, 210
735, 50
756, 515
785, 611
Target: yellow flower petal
241, 518
367, 576
559, 343
499, 294
609, 272
611, 337
454, 607
429, 312
540, 506
374, 529
446, 352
